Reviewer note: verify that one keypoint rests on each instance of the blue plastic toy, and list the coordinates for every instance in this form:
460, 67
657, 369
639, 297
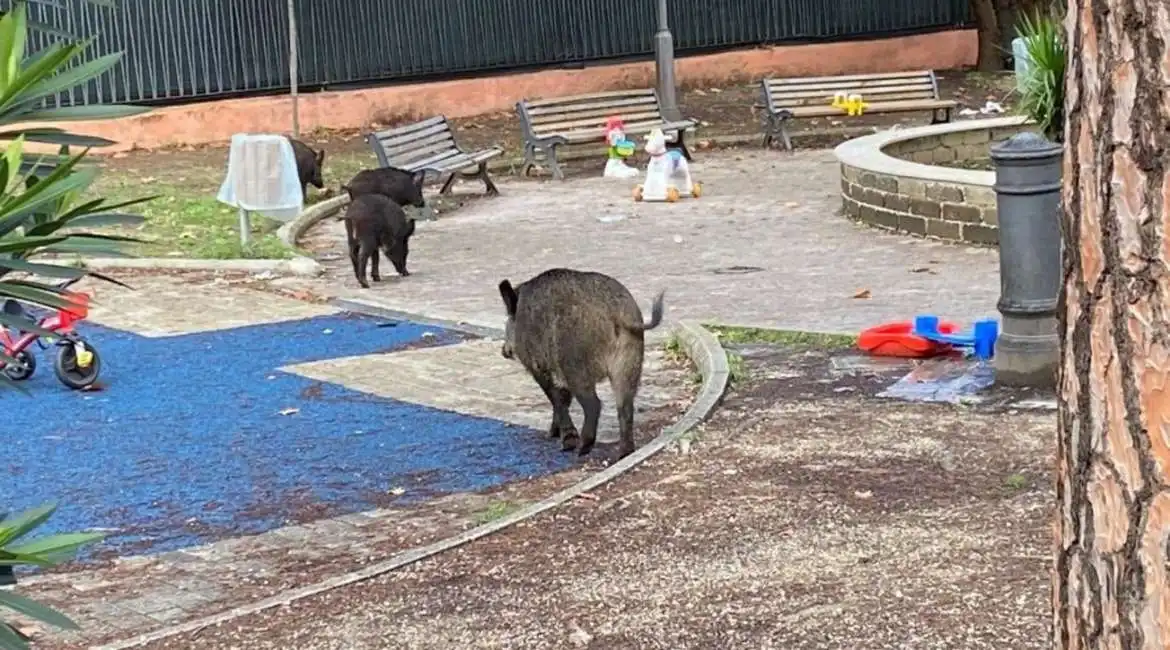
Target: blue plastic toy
981, 340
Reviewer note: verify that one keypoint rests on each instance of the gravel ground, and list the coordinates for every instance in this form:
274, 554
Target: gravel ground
806, 514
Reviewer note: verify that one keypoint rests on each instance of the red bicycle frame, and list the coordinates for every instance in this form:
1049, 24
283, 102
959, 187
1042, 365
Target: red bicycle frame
59, 323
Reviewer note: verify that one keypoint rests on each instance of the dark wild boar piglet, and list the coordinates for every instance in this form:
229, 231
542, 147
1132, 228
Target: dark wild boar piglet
572, 329
373, 221
309, 164
398, 185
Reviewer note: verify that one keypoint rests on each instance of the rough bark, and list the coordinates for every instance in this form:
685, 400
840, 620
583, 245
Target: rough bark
987, 24
1110, 586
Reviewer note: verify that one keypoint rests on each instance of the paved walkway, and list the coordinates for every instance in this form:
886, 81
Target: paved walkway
764, 246
295, 413
770, 211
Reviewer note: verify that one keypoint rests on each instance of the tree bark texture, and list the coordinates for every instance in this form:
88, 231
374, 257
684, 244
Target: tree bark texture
986, 15
1110, 583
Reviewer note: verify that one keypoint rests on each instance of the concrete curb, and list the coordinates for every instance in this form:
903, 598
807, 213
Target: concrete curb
291, 232
299, 266
700, 346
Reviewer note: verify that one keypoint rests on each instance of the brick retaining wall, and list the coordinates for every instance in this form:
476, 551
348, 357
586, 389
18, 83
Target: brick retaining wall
888, 180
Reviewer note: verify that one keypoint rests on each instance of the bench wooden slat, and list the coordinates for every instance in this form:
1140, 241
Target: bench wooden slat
409, 157
552, 113
852, 78
442, 139
573, 99
598, 122
430, 144
632, 128
410, 128
870, 98
578, 119
391, 141
890, 92
877, 107
846, 85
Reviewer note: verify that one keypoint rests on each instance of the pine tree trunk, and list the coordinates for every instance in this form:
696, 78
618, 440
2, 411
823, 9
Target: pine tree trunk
1110, 584
987, 24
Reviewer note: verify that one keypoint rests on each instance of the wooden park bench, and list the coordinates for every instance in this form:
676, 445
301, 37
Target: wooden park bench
430, 145
896, 92
551, 123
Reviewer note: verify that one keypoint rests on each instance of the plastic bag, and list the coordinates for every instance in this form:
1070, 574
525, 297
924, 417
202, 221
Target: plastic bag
262, 177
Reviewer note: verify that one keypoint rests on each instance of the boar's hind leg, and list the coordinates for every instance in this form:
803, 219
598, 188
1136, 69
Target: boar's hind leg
562, 423
374, 275
591, 404
625, 389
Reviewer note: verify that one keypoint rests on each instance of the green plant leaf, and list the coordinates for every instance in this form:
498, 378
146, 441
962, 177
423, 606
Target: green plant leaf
70, 77
52, 135
35, 610
85, 112
9, 639
14, 527
55, 545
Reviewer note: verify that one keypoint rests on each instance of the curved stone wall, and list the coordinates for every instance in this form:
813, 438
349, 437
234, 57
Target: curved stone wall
892, 180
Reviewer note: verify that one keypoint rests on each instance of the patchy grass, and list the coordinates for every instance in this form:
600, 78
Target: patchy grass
737, 371
733, 335
186, 220
1017, 482
497, 510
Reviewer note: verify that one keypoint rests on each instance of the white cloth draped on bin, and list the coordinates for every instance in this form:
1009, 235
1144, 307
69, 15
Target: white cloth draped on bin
262, 177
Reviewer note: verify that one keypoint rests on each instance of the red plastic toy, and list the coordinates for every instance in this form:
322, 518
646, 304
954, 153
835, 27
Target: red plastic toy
896, 340
77, 363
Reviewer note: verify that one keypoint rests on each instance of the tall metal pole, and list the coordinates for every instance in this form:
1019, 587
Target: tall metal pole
292, 67
664, 65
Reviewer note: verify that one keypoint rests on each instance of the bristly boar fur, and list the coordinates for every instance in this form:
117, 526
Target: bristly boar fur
309, 165
572, 329
403, 187
373, 221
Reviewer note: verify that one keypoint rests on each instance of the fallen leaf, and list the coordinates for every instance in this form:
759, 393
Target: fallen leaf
289, 411
923, 269
863, 294
588, 497
863, 494
792, 204
397, 491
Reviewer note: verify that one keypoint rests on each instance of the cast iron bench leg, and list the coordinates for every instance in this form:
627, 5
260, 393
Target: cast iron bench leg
483, 175
680, 141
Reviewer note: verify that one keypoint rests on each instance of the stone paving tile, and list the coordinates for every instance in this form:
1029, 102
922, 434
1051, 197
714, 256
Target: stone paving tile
163, 307
775, 211
473, 378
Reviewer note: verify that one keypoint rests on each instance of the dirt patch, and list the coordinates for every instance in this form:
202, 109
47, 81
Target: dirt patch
793, 519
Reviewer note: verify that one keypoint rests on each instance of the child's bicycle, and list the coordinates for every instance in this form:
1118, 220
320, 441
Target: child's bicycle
77, 363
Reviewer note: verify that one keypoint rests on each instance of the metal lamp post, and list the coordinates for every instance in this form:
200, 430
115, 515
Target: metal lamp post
664, 65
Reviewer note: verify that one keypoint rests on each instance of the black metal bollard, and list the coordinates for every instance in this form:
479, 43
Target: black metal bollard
1027, 187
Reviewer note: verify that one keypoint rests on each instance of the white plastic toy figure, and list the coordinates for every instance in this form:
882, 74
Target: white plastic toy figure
619, 149
667, 176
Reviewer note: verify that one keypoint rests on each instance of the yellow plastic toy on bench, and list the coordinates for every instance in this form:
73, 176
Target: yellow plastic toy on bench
852, 104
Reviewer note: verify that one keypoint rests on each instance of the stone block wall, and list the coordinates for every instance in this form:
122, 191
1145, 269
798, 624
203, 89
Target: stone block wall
926, 208
949, 147
944, 208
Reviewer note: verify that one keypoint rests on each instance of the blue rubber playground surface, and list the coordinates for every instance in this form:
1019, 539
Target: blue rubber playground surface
186, 442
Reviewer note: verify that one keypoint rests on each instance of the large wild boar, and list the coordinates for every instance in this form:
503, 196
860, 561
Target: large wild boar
572, 329
309, 164
373, 221
403, 187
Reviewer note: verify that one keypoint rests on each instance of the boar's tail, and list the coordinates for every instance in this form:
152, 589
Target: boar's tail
655, 316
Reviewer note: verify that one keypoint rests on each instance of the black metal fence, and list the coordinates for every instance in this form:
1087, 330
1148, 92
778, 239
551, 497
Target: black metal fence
188, 49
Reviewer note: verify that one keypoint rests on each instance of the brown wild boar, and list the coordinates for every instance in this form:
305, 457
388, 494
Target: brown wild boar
572, 329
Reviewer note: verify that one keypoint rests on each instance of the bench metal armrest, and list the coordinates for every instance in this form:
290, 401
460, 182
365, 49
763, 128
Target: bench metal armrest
554, 139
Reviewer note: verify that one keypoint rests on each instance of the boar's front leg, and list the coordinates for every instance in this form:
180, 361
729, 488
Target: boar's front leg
562, 424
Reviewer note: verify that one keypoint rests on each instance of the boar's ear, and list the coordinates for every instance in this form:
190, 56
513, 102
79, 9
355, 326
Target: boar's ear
420, 177
509, 296
320, 156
